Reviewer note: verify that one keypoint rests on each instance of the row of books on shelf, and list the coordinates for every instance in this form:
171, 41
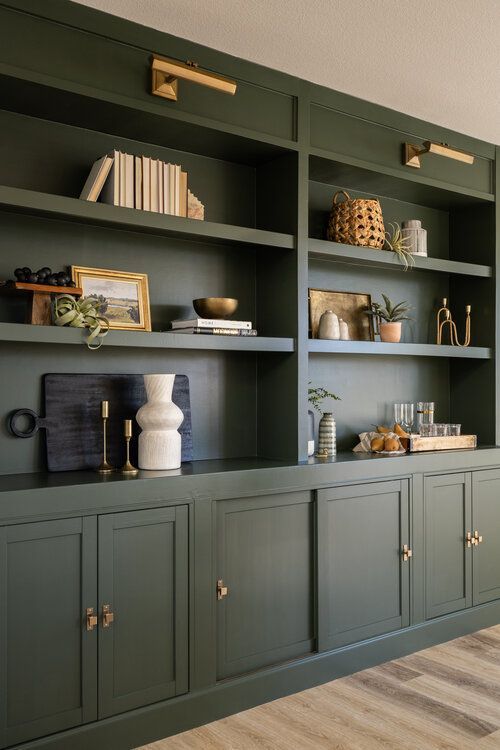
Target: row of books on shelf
214, 327
142, 182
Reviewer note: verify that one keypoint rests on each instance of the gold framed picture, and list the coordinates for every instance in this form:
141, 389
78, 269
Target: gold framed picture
350, 306
123, 296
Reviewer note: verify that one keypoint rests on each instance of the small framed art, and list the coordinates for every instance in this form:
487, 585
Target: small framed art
350, 306
123, 296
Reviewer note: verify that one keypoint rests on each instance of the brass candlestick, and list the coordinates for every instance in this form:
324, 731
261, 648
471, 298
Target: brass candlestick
445, 319
127, 467
105, 467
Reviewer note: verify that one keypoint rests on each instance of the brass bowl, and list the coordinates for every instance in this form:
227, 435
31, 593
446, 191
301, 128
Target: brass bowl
215, 307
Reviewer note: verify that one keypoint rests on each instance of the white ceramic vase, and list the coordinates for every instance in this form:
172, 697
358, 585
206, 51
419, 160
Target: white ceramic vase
160, 419
329, 326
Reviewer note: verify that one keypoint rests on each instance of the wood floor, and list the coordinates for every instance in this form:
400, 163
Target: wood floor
446, 697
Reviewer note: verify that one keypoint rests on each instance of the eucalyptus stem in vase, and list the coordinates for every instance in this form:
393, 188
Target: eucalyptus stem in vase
327, 432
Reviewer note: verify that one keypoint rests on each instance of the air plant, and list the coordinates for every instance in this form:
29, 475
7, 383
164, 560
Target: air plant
397, 243
81, 313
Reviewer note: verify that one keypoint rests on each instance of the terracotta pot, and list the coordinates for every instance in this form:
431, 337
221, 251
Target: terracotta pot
390, 332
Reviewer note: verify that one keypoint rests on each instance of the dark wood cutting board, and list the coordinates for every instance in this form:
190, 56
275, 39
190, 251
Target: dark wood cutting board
74, 426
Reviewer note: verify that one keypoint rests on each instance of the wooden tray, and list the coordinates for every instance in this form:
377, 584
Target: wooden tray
415, 443
72, 418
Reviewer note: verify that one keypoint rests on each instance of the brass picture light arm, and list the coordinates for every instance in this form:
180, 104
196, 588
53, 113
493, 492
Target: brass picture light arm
412, 153
167, 72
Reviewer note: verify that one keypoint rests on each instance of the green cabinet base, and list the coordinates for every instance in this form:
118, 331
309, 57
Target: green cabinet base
138, 727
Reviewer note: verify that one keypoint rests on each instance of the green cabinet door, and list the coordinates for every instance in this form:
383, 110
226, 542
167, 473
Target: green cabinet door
486, 522
265, 559
448, 555
48, 658
143, 585
363, 578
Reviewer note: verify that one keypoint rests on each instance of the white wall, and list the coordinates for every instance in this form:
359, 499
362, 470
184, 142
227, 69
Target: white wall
434, 59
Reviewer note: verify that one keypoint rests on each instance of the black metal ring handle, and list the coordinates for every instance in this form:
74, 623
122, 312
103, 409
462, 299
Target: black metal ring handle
16, 415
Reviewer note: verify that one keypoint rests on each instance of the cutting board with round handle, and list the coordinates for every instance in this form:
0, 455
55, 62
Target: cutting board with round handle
73, 425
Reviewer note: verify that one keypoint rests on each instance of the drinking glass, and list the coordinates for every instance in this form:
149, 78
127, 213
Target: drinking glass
441, 430
404, 415
425, 413
455, 429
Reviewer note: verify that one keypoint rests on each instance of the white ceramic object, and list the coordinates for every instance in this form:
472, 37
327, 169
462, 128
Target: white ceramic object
415, 237
160, 419
344, 330
329, 326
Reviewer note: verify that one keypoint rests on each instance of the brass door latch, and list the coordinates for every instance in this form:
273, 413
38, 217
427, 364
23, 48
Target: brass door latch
468, 539
222, 590
107, 616
477, 538
90, 618
406, 552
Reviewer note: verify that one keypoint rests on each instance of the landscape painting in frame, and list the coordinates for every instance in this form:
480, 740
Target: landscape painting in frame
123, 297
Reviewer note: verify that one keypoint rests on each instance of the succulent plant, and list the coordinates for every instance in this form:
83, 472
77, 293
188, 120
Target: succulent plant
397, 243
390, 313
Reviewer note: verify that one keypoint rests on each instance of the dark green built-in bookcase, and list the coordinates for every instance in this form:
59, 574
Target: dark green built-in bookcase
265, 163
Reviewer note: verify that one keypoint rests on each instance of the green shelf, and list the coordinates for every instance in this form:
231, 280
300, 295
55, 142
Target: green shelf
322, 346
131, 219
365, 256
23, 333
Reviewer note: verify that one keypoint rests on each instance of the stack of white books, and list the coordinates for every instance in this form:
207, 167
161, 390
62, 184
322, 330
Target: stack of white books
214, 327
141, 182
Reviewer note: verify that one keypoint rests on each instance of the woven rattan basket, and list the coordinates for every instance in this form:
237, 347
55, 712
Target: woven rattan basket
356, 221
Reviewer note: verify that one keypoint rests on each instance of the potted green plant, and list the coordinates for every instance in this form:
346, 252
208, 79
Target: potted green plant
389, 318
316, 396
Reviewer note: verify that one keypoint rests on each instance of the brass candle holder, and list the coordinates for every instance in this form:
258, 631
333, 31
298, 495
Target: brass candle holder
127, 467
104, 467
444, 319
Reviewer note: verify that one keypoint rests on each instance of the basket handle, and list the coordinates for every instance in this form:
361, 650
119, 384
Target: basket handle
341, 192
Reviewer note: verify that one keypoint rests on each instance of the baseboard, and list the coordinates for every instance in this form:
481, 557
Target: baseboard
160, 720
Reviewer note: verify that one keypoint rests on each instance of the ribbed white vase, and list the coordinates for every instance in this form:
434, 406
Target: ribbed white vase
160, 419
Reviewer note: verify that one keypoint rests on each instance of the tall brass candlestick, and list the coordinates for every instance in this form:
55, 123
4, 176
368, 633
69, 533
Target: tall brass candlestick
127, 467
105, 467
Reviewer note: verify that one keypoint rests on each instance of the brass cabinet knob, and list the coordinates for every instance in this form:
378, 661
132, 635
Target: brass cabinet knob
107, 616
468, 539
406, 552
90, 618
477, 538
222, 590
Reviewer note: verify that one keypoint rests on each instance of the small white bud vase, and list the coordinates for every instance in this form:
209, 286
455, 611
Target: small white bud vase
159, 442
344, 330
327, 436
329, 326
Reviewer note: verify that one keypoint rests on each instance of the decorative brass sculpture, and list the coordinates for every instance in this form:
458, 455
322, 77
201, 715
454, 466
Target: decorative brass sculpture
444, 318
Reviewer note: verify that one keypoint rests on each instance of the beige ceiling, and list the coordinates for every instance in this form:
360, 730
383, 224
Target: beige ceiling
435, 59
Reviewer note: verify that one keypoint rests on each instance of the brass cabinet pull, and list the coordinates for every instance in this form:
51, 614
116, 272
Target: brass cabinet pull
90, 618
477, 538
468, 539
222, 590
107, 616
407, 553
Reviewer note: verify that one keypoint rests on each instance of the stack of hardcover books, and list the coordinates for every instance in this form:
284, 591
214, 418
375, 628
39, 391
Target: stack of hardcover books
214, 327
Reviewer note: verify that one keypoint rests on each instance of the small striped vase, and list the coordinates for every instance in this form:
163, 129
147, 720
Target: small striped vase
327, 436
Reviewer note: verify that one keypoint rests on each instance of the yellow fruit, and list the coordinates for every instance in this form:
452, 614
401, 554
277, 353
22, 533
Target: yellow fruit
383, 430
391, 444
377, 444
399, 431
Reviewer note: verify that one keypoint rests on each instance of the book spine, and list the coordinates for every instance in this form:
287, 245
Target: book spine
166, 187
146, 183
154, 184
208, 323
171, 181
138, 181
129, 181
219, 331
159, 175
177, 208
123, 174
184, 194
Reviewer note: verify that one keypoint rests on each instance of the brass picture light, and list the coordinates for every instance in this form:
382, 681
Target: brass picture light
166, 74
413, 153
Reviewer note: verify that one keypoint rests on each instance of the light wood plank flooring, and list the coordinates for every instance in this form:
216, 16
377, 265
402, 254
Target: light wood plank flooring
444, 698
